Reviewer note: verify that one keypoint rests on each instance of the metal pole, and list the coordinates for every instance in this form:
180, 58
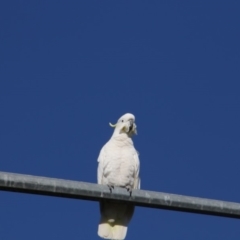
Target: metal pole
81, 190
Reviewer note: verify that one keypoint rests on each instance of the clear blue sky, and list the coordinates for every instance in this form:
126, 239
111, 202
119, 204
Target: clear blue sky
67, 68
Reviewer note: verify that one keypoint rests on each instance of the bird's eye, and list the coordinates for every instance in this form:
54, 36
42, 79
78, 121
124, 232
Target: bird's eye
122, 121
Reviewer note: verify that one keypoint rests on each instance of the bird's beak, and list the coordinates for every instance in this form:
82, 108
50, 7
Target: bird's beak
131, 128
130, 125
112, 125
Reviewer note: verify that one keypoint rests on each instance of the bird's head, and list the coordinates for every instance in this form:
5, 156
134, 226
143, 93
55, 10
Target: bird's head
125, 124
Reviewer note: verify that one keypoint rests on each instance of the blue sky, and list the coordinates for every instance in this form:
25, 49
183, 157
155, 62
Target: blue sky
67, 68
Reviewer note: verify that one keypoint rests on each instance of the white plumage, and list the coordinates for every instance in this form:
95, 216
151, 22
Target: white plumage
118, 165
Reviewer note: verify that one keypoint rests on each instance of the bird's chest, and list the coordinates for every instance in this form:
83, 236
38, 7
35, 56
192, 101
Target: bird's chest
120, 169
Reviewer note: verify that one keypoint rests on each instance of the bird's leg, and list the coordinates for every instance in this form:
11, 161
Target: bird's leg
111, 187
129, 189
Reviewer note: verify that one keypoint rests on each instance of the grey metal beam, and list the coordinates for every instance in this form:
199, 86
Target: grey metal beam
81, 190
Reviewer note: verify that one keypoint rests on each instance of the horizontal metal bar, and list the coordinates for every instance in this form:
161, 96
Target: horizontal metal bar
81, 190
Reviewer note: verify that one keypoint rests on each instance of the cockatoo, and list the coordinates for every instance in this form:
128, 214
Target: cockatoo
118, 165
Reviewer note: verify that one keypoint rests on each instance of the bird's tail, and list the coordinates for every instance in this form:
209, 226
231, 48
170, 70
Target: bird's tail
109, 231
114, 220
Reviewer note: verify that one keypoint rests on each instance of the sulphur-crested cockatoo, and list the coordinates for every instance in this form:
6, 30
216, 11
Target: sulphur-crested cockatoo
118, 165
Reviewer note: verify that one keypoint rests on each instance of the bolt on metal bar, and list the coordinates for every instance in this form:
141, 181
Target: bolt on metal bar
82, 190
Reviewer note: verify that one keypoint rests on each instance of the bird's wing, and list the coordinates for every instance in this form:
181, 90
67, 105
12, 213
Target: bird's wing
101, 164
137, 169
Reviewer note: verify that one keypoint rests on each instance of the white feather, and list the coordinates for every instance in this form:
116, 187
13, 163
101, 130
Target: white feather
118, 165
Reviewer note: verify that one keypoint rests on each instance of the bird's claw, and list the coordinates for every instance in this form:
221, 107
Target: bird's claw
110, 188
129, 189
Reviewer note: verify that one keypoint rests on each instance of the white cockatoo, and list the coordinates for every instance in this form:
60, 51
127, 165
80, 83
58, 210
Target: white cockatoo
118, 165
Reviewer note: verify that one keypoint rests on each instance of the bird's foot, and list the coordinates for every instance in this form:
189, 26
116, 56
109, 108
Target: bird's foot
111, 187
129, 189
